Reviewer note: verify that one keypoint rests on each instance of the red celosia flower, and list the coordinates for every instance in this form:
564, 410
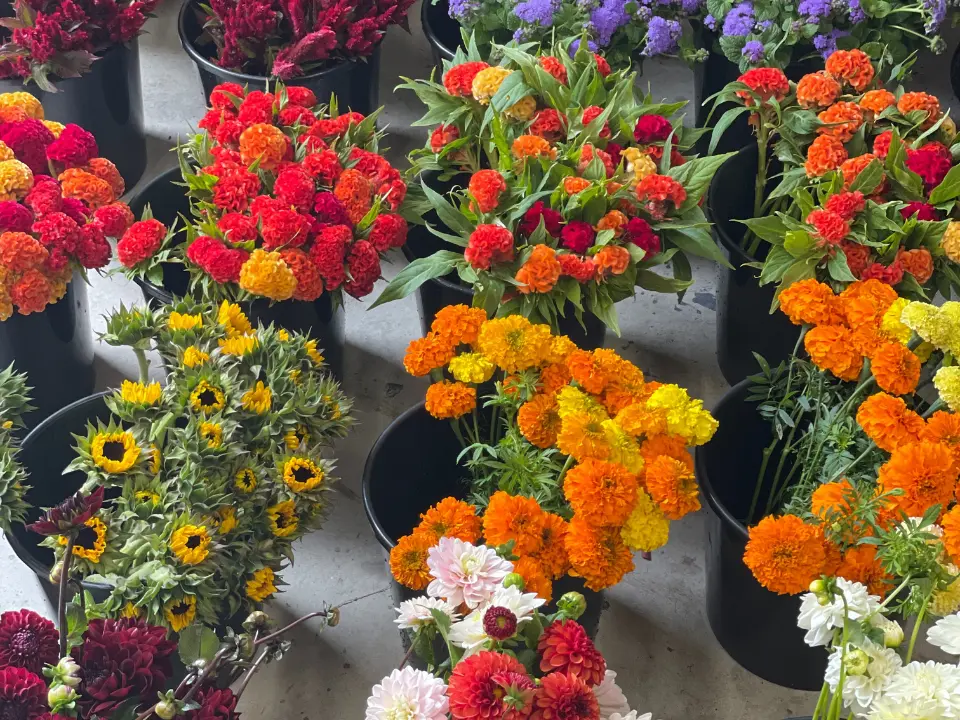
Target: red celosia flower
603, 67
14, 217
76, 209
214, 258
309, 283
233, 192
141, 241
263, 205
74, 148
891, 274
28, 139
579, 268
293, 115
766, 83
458, 80
229, 132
237, 228
564, 697
639, 232
44, 196
31, 292
881, 143
327, 210
28, 640
294, 187
920, 210
220, 96
22, 694
256, 108
388, 231
932, 162
846, 204
21, 252
577, 236
549, 124
114, 219
57, 230
486, 186
363, 266
652, 128
213, 119
489, 244
474, 693
587, 154
93, 250
590, 114
300, 95
830, 226
343, 122
564, 647
552, 220
285, 228
328, 253
656, 190
554, 66
442, 136
858, 257
215, 704
324, 166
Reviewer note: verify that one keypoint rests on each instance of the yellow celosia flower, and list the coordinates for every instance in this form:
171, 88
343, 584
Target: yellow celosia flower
239, 345
646, 529
180, 613
194, 356
514, 343
639, 165
23, 101
892, 327
16, 179
114, 452
487, 82
266, 274
685, 417
522, 110
624, 450
947, 382
260, 586
140, 394
950, 242
233, 320
184, 321
5, 152
54, 127
191, 544
471, 368
257, 399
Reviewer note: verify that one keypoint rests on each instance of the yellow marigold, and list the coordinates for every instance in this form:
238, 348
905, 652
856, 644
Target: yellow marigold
239, 345
552, 554
534, 576
260, 585
90, 544
16, 179
639, 165
191, 544
809, 302
6, 153
925, 473
831, 348
950, 242
890, 325
263, 143
408, 561
114, 452
458, 324
182, 321
888, 421
207, 398
553, 377
471, 368
623, 448
571, 400
24, 101
194, 356
282, 518
647, 528
266, 274
947, 382
140, 394
951, 533
233, 319
257, 399
522, 110
245, 481
487, 82
181, 613
539, 420
597, 554
514, 517
513, 343
685, 416
582, 437
600, 493
301, 474
212, 433
446, 400
532, 146
54, 127
427, 353
673, 486
450, 518
560, 348
785, 554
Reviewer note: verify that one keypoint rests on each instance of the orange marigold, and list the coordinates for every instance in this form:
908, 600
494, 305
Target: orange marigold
540, 272
450, 518
830, 348
809, 302
860, 564
448, 400
355, 192
589, 369
824, 155
408, 561
79, 184
264, 143
888, 421
876, 101
851, 168
456, 324
951, 533
865, 302
535, 579
554, 376
924, 471
668, 445
867, 339
597, 554
785, 554
572, 185
896, 368
943, 427
672, 486
553, 552
841, 120
920, 101
514, 517
600, 493
611, 260
532, 146
428, 353
851, 66
581, 436
831, 498
817, 90
538, 420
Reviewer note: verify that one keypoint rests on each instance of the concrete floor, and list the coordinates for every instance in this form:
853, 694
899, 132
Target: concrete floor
654, 633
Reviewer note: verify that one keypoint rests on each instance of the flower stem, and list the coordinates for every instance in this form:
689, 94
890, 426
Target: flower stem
917, 624
563, 471
250, 673
143, 363
62, 597
281, 631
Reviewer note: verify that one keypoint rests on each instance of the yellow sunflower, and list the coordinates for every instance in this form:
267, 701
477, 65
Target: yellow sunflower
213, 433
240, 345
191, 544
207, 398
224, 520
180, 613
130, 611
245, 481
184, 321
156, 459
293, 439
146, 496
114, 452
335, 412
233, 320
283, 335
260, 586
283, 518
313, 353
257, 399
302, 474
295, 376
91, 541
140, 394
194, 356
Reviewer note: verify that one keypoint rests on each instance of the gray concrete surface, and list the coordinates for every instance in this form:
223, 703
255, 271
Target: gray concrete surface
654, 633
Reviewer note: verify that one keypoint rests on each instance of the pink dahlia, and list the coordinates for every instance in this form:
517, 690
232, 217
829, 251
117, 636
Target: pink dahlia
465, 573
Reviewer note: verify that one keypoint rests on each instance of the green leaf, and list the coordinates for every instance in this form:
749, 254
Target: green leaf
417, 273
448, 214
725, 121
948, 189
76, 624
197, 642
839, 270
606, 311
798, 243
770, 228
869, 178
696, 241
776, 264
649, 280
443, 625
695, 176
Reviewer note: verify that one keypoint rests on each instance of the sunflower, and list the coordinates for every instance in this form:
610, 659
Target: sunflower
257, 399
450, 518
139, 394
260, 585
552, 553
224, 520
245, 480
582, 437
888, 421
213, 434
600, 493
673, 486
785, 554
156, 459
183, 321
91, 542
313, 353
336, 412
147, 496
114, 452
302, 474
282, 518
408, 561
233, 320
207, 398
513, 343
539, 421
926, 474
293, 439
130, 611
238, 346
194, 356
597, 554
180, 613
513, 517
191, 544
283, 335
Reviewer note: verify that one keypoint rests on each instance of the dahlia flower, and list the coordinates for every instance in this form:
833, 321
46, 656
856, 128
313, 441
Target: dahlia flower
945, 634
417, 612
70, 514
408, 693
465, 573
28, 640
821, 620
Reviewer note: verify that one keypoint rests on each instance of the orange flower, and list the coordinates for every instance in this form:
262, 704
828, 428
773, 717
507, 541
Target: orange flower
896, 369
486, 186
785, 554
597, 554
920, 101
830, 348
456, 324
572, 185
264, 143
841, 120
535, 579
824, 155
951, 533
79, 184
20, 252
589, 370
355, 192
581, 436
532, 146
851, 66
924, 471
540, 272
554, 376
673, 487
860, 565
450, 518
817, 90
876, 101
669, 445
943, 427
514, 517
626, 388
809, 302
600, 493
917, 262
408, 561
538, 420
428, 353
553, 552
106, 171
611, 260
888, 422
831, 498
866, 302
851, 168
613, 220
448, 400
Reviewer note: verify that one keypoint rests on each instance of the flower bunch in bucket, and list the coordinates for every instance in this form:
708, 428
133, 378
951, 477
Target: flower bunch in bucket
59, 202
289, 199
213, 476
505, 657
574, 460
14, 402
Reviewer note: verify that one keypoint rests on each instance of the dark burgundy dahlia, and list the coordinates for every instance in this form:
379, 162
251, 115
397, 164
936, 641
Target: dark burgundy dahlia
214, 704
23, 695
28, 640
69, 515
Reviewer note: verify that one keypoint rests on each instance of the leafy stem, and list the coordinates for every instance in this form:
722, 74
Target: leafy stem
62, 596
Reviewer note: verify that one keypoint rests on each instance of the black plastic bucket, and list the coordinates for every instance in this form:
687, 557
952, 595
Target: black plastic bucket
55, 348
441, 31
356, 83
400, 481
744, 322
756, 627
45, 452
107, 101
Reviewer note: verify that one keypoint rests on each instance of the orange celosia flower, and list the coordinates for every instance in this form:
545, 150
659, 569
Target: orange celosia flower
896, 368
514, 517
672, 486
841, 120
486, 186
427, 353
809, 302
535, 579
448, 400
817, 90
831, 498
79, 184
613, 220
540, 272
851, 168
581, 436
552, 554
860, 565
943, 427
264, 143
785, 554
888, 422
531, 146
851, 66
611, 260
951, 533
920, 101
355, 192
456, 324
572, 185
20, 252
538, 420
924, 471
554, 376
824, 155
108, 172
589, 370
450, 518
830, 348
597, 554
918, 262
876, 101
600, 493
408, 561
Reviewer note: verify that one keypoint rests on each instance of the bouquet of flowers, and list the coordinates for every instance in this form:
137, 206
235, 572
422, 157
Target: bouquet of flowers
63, 40
754, 32
289, 200
584, 459
14, 402
506, 658
590, 191
288, 39
59, 203
212, 477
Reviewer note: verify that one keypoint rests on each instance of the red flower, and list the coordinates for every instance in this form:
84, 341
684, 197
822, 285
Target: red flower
458, 80
363, 265
21, 252
642, 235
74, 148
294, 187
474, 692
588, 153
324, 166
106, 171
564, 697
343, 122
14, 217
31, 292
28, 641
499, 623
328, 210
656, 190
590, 114
28, 139
891, 274
214, 258
309, 282
299, 95
830, 226
285, 228
328, 253
114, 219
57, 230
93, 250
141, 241
293, 115
846, 204
918, 262
442, 136
229, 132
549, 124
22, 694
552, 220
486, 186
76, 209
577, 236
44, 196
489, 244
579, 268
614, 151
603, 67
858, 257
920, 210
932, 162
215, 704
220, 96
766, 83
257, 107
881, 143
651, 128
555, 67
388, 231
564, 647
237, 228
233, 192
263, 205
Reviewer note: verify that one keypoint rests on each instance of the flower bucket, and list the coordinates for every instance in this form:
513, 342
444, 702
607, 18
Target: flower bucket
756, 627
107, 101
45, 452
744, 322
400, 481
55, 348
356, 83
441, 30
319, 319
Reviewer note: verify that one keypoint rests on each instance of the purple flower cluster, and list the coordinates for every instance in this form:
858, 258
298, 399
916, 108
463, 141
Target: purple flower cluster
753, 51
857, 14
663, 37
710, 21
938, 13
813, 11
575, 46
463, 10
537, 12
826, 44
607, 19
739, 21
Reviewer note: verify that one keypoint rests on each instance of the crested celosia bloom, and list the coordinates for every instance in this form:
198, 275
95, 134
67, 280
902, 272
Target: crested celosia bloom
465, 573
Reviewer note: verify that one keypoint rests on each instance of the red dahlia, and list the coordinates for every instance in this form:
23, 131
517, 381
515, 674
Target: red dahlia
28, 641
652, 128
22, 694
475, 694
564, 697
215, 704
564, 647
499, 623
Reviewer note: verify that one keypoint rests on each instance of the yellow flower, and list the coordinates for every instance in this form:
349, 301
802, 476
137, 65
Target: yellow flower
560, 348
5, 152
487, 82
950, 242
16, 179
514, 343
624, 450
639, 165
245, 481
91, 541
471, 368
140, 394
225, 520
282, 518
191, 544
685, 416
573, 400
646, 529
22, 101
315, 357
7, 424
130, 611
213, 433
156, 459
947, 601
240, 345
54, 127
890, 324
146, 496
207, 398
184, 321
335, 415
260, 586
265, 273
114, 452
295, 376
283, 335
947, 382
180, 613
232, 318
302, 474
939, 326
293, 439
194, 356
522, 110
257, 399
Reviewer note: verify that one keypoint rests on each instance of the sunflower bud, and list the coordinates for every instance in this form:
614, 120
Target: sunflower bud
245, 646
949, 129
130, 326
856, 662
165, 710
572, 605
514, 580
333, 617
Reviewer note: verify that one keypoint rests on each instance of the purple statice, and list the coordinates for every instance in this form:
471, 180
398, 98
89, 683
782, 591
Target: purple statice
710, 21
857, 14
575, 46
536, 12
813, 11
464, 10
663, 37
739, 21
826, 44
753, 51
